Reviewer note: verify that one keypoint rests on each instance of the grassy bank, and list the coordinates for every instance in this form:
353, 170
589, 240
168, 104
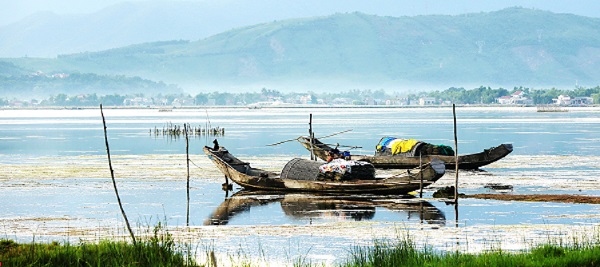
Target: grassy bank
403, 252
105, 253
109, 253
157, 250
161, 251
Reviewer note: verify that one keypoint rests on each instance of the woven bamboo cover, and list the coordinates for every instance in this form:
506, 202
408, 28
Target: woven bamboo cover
301, 169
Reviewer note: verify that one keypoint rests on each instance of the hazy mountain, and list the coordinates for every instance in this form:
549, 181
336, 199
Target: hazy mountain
9, 69
46, 34
510, 47
77, 26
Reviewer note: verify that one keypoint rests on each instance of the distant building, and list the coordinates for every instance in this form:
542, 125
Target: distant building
426, 101
504, 100
369, 101
565, 100
518, 94
306, 99
138, 102
516, 98
183, 101
401, 101
562, 100
341, 101
582, 101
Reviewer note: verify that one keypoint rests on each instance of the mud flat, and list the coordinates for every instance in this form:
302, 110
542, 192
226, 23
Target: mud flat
540, 198
161, 166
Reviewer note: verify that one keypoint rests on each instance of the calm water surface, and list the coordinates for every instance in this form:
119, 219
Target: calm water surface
79, 132
570, 139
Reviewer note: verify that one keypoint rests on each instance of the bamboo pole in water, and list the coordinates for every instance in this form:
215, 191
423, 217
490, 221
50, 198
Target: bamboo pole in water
311, 136
187, 161
112, 175
455, 156
421, 172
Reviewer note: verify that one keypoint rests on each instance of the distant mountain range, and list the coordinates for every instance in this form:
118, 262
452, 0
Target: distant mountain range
47, 34
510, 47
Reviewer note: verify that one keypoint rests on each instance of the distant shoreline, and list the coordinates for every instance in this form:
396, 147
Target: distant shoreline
163, 108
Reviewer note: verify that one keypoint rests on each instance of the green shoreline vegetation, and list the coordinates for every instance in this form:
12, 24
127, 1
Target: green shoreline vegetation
404, 252
158, 250
161, 250
460, 96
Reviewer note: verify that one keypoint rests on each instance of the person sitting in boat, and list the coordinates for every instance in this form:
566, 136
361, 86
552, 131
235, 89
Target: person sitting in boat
216, 145
333, 154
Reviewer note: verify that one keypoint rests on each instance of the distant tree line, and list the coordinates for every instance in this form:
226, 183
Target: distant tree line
58, 83
487, 95
481, 95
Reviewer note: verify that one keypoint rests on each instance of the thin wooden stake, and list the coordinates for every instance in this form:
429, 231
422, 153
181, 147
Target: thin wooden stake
213, 259
112, 174
455, 156
421, 172
187, 160
312, 145
311, 136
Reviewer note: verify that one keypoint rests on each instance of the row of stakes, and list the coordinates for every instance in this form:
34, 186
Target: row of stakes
173, 130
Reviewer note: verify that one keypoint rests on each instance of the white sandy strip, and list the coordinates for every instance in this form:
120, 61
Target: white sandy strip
546, 172
157, 166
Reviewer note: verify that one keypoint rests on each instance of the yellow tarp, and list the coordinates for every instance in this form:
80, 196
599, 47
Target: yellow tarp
402, 145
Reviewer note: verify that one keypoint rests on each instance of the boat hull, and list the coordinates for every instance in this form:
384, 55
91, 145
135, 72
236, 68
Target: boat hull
469, 161
256, 179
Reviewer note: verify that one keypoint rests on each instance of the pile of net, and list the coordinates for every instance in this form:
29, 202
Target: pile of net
391, 146
336, 170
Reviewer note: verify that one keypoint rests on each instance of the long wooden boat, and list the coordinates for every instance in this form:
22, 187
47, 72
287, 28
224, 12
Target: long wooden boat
469, 161
248, 177
310, 206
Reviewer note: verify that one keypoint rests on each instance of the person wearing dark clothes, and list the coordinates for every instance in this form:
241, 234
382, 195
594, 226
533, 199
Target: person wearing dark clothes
216, 145
333, 154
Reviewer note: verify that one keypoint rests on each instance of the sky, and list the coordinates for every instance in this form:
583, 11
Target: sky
14, 10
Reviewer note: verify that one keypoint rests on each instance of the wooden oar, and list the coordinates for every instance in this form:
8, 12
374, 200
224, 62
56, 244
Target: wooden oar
350, 147
279, 143
296, 139
335, 134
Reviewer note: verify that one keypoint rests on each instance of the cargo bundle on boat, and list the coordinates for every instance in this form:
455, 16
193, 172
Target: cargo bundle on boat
338, 170
392, 146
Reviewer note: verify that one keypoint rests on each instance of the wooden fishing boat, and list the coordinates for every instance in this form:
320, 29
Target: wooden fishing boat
248, 177
310, 206
469, 161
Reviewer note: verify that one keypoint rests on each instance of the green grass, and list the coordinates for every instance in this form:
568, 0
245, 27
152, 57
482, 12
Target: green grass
104, 253
158, 250
403, 252
161, 250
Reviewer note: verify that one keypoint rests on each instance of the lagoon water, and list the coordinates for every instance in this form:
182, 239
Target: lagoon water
56, 184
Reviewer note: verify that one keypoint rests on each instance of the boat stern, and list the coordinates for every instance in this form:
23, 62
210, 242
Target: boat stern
508, 147
438, 166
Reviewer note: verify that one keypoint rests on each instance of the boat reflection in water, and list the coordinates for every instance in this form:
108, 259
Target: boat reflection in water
311, 207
